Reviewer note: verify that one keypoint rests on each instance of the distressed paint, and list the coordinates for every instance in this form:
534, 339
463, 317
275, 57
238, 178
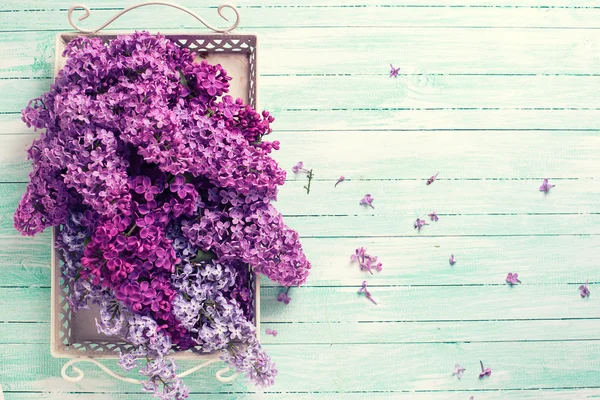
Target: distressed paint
494, 94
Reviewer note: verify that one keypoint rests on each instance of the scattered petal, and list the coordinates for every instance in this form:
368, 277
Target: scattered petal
271, 332
366, 261
342, 179
584, 291
484, 372
298, 167
458, 371
419, 223
546, 186
367, 201
512, 278
434, 216
394, 72
432, 179
452, 259
364, 290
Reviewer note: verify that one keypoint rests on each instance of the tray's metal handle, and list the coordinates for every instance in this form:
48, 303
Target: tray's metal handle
79, 373
149, 3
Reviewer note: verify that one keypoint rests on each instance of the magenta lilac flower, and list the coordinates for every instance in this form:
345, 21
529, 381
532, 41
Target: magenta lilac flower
366, 261
340, 180
394, 71
512, 278
434, 216
367, 201
432, 179
162, 187
284, 298
458, 371
271, 332
363, 289
546, 186
419, 223
452, 259
584, 291
484, 372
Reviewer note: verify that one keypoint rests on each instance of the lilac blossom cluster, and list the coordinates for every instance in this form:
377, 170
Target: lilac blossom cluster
162, 186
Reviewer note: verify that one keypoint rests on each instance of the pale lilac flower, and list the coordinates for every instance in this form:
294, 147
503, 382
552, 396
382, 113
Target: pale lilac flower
546, 186
432, 179
452, 259
299, 168
419, 223
394, 71
364, 290
585, 292
472, 398
458, 371
366, 261
284, 298
434, 216
342, 179
484, 372
512, 279
271, 332
367, 201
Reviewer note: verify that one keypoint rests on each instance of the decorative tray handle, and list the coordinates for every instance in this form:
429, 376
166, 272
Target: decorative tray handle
164, 3
79, 373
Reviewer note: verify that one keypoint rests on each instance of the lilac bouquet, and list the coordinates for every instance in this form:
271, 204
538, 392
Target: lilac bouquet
161, 185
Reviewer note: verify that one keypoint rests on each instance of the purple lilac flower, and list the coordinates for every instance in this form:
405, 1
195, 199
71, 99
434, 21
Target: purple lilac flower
432, 179
452, 259
363, 289
419, 223
484, 372
271, 332
546, 186
366, 261
162, 185
340, 180
283, 297
512, 278
458, 371
394, 71
367, 201
434, 216
584, 291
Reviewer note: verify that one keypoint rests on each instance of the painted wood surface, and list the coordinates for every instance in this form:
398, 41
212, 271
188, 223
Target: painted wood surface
494, 94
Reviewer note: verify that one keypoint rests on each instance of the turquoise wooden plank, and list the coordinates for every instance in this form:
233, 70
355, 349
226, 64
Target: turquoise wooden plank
378, 332
25, 333
406, 261
424, 50
369, 367
410, 304
429, 303
432, 332
456, 225
258, 16
360, 155
28, 304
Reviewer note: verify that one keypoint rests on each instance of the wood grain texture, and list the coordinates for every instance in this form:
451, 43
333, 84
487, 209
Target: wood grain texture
430, 50
494, 94
311, 15
515, 366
